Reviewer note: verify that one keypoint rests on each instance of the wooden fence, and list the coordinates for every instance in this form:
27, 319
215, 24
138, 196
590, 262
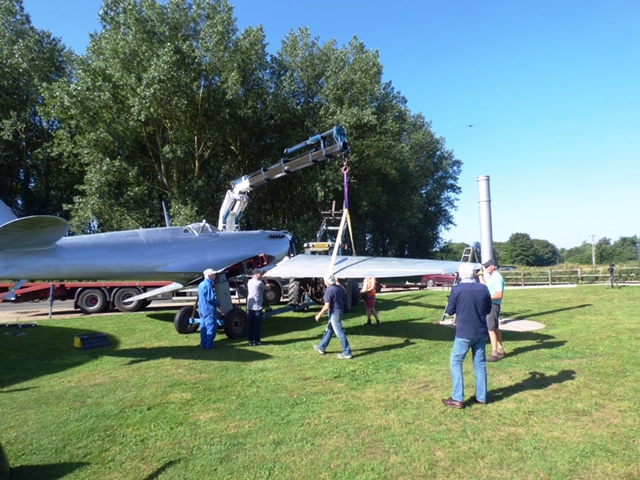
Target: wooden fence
578, 276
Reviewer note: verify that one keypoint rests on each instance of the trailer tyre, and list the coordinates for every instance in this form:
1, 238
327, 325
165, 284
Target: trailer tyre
122, 303
272, 295
182, 321
92, 300
294, 292
235, 323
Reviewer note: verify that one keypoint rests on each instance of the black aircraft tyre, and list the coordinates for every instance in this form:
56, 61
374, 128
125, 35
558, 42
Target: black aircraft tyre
272, 295
121, 302
92, 300
182, 323
235, 323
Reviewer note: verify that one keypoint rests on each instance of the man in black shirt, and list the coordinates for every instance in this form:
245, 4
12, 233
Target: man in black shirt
470, 302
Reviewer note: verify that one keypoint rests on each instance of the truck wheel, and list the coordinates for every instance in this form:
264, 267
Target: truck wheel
273, 295
235, 323
92, 300
294, 292
182, 321
122, 303
355, 294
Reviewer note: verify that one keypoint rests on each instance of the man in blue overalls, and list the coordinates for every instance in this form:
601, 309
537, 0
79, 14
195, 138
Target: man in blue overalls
207, 305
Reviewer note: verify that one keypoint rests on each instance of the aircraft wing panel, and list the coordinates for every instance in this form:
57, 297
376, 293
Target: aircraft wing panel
41, 231
314, 266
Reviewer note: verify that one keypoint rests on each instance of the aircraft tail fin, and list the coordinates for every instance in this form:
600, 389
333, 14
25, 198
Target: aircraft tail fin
39, 231
6, 215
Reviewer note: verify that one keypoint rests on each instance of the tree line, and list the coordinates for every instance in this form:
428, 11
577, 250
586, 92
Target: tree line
523, 251
171, 102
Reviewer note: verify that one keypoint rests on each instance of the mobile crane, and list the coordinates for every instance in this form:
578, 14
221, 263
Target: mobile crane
322, 148
315, 150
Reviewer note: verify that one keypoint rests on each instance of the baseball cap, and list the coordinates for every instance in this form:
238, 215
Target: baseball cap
489, 263
208, 271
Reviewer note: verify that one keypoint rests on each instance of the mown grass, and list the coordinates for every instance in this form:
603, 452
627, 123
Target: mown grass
153, 405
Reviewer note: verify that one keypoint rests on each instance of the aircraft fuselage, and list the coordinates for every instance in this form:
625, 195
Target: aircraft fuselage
168, 253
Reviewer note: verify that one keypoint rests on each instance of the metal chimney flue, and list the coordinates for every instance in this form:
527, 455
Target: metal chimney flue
484, 204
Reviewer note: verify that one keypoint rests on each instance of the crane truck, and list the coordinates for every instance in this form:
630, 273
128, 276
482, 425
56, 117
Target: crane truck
315, 150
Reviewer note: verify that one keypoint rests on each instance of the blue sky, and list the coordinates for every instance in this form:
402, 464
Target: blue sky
551, 87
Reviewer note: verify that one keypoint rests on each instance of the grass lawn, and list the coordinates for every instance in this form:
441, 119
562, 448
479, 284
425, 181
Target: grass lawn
563, 402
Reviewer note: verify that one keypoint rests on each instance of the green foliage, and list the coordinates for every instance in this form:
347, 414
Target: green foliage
546, 253
519, 250
622, 250
34, 180
451, 251
522, 250
580, 255
172, 102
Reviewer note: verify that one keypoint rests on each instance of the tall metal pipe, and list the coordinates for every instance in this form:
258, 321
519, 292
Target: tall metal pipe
484, 204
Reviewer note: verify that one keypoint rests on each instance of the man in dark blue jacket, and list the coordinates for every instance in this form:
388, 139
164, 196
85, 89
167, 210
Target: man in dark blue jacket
470, 302
208, 306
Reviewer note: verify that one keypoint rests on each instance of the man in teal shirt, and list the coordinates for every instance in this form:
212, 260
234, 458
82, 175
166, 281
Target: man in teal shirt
492, 279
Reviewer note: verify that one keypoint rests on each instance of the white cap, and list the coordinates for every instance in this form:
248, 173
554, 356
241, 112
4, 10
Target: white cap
209, 271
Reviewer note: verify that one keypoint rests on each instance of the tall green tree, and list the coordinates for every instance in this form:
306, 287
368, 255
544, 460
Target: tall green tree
625, 249
546, 253
166, 104
171, 102
519, 250
581, 254
34, 179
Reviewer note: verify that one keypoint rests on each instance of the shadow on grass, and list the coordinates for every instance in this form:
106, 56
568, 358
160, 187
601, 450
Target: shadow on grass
161, 470
536, 381
222, 352
45, 472
361, 352
541, 345
44, 351
527, 316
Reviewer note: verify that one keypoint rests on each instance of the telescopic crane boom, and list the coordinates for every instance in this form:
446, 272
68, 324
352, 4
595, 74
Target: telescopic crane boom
320, 148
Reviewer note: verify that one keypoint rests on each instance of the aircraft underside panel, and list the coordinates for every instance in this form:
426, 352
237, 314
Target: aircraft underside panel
310, 266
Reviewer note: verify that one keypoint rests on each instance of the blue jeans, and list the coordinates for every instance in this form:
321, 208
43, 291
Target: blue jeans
254, 321
460, 348
335, 326
208, 330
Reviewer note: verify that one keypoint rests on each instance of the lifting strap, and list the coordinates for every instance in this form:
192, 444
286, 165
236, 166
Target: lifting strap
345, 216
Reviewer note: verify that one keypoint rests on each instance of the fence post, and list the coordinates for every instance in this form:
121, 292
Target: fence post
549, 273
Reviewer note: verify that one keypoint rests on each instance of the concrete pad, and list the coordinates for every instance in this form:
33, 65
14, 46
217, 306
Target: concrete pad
512, 325
507, 324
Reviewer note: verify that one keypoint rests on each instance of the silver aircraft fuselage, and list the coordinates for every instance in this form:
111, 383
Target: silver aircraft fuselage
167, 253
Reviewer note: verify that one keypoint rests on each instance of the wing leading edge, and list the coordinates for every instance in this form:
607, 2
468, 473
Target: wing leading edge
313, 266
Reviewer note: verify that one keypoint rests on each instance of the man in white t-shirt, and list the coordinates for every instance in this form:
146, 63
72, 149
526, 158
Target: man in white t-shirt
255, 294
492, 279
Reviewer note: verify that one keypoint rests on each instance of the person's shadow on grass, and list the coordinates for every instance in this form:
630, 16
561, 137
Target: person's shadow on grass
536, 381
383, 348
542, 344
